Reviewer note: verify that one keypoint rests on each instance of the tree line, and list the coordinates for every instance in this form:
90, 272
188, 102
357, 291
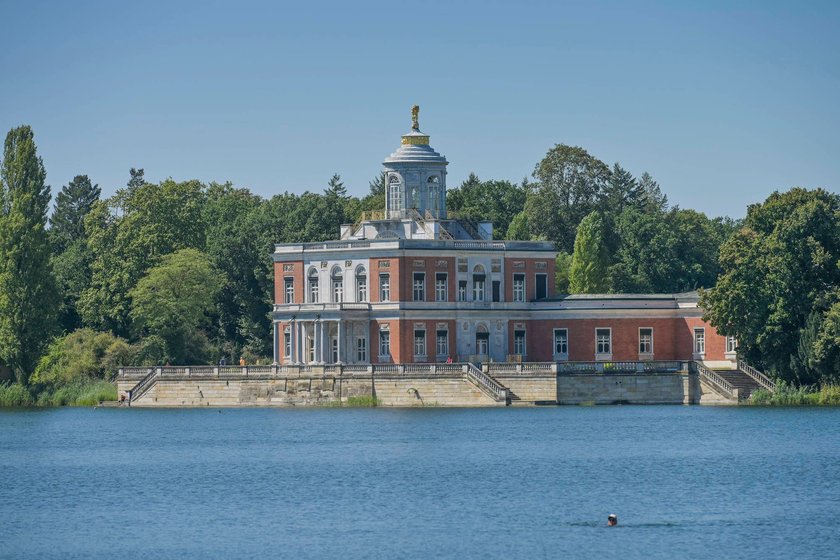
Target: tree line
181, 272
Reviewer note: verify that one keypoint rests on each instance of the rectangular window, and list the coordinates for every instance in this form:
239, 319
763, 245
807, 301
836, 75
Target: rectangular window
518, 287
731, 344
384, 343
478, 287
313, 289
441, 287
396, 198
384, 287
311, 346
289, 289
699, 341
361, 288
519, 343
287, 344
442, 343
482, 342
646, 341
338, 289
561, 343
603, 341
419, 286
420, 344
361, 349
541, 286
462, 290
497, 290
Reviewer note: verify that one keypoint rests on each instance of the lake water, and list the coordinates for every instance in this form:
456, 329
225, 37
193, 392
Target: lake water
686, 482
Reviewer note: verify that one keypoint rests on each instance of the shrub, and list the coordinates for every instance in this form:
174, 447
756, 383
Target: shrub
15, 394
81, 355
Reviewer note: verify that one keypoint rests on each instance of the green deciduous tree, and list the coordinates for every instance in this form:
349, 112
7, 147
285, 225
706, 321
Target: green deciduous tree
174, 301
570, 185
28, 300
236, 247
589, 271
777, 270
666, 252
495, 201
127, 235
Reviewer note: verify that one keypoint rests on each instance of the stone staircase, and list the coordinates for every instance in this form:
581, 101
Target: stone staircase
745, 384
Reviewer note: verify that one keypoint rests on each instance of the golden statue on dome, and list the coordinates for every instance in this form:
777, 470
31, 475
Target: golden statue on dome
415, 113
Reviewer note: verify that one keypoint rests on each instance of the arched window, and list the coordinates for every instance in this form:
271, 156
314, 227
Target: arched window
313, 285
337, 285
433, 180
394, 192
479, 278
361, 284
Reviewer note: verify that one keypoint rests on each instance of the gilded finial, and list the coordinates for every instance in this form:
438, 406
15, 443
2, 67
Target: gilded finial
415, 113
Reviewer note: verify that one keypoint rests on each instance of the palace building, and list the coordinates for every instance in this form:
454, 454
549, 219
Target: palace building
414, 283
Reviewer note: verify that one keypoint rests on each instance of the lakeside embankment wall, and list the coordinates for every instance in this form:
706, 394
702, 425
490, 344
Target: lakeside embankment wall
323, 387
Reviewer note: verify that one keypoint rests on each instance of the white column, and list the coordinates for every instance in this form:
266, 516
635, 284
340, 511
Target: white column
315, 332
276, 342
338, 337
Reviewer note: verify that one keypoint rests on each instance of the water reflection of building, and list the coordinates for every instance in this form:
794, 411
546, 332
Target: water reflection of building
414, 283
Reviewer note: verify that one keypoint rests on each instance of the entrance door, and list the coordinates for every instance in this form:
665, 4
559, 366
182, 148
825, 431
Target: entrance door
334, 347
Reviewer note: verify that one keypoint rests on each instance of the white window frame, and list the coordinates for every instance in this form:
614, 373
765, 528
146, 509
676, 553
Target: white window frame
418, 286
361, 285
442, 350
520, 350
420, 343
519, 287
479, 289
699, 343
441, 287
605, 353
462, 290
361, 349
561, 356
289, 289
337, 283
287, 344
384, 344
384, 287
395, 193
731, 345
313, 286
649, 353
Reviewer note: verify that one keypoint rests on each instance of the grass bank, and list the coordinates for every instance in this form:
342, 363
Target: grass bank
788, 395
81, 393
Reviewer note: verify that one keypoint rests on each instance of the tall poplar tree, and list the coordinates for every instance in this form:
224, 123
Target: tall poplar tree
589, 273
28, 297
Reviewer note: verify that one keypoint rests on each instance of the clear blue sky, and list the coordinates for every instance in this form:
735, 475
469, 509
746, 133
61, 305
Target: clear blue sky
722, 102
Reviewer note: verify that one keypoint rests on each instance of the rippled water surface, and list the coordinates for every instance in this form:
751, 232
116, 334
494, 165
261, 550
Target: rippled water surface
686, 482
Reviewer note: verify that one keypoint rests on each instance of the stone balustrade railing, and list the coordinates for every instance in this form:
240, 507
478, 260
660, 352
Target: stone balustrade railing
723, 386
759, 377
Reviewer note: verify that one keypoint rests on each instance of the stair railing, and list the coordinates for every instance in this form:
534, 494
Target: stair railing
143, 385
757, 376
717, 382
485, 383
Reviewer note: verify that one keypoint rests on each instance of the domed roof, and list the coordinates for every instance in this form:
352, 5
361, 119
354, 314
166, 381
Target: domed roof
415, 146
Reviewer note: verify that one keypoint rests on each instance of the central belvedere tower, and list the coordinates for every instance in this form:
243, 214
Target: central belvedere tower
415, 177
